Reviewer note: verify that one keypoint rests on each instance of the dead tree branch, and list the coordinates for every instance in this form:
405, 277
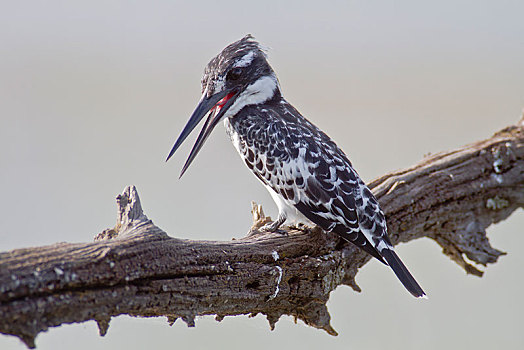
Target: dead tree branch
137, 269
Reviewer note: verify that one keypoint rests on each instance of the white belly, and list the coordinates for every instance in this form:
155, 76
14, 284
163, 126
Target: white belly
288, 209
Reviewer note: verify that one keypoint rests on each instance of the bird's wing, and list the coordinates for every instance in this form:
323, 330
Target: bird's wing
329, 192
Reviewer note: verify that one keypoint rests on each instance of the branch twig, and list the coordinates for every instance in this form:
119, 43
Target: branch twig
137, 269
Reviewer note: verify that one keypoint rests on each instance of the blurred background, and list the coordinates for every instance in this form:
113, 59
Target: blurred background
93, 95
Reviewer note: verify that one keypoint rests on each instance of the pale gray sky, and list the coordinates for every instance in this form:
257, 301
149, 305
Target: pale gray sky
94, 93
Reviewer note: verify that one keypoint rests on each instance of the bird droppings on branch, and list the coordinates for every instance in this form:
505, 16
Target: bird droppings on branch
496, 203
277, 287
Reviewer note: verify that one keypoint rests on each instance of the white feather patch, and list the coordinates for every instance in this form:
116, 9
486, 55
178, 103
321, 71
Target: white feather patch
258, 92
246, 60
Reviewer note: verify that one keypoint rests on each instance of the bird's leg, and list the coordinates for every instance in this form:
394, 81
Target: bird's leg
275, 225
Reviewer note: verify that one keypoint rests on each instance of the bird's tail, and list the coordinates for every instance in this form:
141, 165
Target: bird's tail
402, 273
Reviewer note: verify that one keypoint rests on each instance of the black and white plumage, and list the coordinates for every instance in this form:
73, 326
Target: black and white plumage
306, 173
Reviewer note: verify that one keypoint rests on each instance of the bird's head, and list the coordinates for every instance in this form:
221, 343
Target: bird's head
238, 76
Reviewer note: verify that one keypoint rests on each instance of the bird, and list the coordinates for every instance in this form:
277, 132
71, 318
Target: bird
308, 176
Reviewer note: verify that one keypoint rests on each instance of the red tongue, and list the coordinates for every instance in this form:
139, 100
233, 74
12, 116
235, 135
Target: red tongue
223, 101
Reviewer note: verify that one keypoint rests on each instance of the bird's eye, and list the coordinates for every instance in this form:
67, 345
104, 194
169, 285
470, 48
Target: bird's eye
234, 74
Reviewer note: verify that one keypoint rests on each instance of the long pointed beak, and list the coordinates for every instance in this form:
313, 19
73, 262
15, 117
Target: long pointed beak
222, 101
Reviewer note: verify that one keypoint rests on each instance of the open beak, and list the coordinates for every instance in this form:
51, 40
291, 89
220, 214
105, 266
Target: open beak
216, 105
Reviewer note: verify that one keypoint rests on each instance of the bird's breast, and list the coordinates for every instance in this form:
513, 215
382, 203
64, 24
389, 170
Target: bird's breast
233, 134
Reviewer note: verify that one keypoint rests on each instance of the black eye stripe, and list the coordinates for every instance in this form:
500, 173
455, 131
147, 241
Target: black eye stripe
234, 73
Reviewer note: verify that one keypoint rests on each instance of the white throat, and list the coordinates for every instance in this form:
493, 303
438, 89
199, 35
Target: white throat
258, 92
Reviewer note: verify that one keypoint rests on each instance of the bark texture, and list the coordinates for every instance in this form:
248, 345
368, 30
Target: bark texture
137, 269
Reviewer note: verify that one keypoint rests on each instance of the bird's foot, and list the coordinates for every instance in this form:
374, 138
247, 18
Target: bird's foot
274, 227
267, 228
300, 226
263, 224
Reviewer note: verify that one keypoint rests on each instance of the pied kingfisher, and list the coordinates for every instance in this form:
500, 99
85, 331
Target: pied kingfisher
306, 173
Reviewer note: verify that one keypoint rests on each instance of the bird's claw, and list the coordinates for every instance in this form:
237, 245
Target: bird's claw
273, 227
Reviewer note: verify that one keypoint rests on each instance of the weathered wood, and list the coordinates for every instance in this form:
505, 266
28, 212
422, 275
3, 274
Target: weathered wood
137, 269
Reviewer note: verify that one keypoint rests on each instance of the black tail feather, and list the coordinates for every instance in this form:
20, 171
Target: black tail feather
402, 273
